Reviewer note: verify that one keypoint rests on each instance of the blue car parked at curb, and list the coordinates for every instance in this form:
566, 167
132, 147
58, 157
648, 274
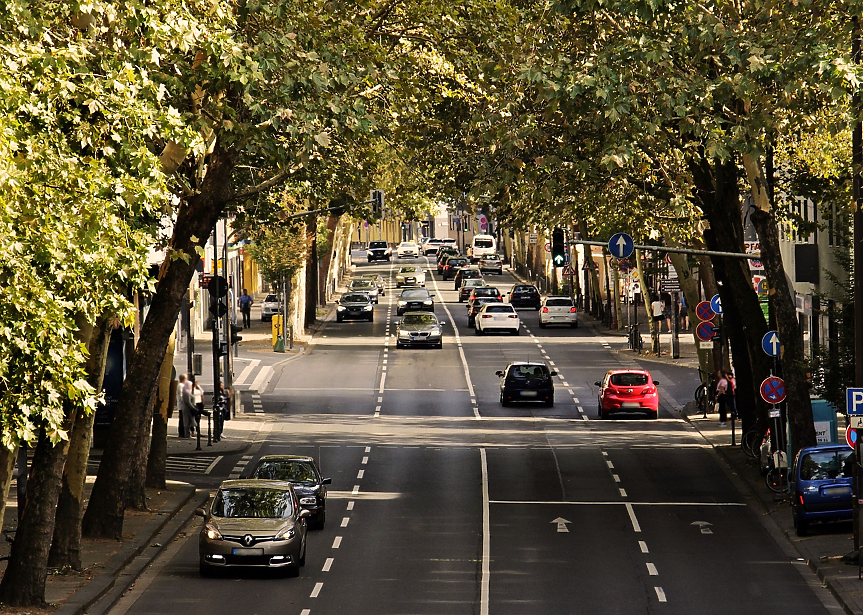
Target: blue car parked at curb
821, 485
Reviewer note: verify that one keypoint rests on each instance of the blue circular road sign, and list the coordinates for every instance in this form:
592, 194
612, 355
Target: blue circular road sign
770, 344
716, 304
705, 331
773, 390
621, 245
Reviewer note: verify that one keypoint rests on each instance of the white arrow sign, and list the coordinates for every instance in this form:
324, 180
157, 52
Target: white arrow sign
561, 524
703, 525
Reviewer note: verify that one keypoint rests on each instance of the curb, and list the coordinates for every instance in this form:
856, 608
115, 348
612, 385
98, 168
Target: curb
122, 568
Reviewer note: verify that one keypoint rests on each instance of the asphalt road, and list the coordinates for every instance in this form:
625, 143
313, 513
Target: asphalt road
444, 502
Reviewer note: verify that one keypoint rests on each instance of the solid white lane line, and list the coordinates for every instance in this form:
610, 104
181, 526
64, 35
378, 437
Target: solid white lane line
355, 490
651, 569
328, 564
317, 590
345, 521
263, 378
486, 538
643, 546
360, 474
613, 503
351, 505
635, 526
660, 594
365, 460
337, 542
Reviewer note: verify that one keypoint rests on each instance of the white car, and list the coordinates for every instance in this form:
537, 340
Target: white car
269, 307
431, 246
497, 317
410, 276
408, 249
557, 311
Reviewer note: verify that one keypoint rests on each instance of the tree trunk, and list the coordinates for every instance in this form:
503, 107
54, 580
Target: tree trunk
136, 494
196, 219
66, 545
7, 468
312, 274
717, 192
797, 405
167, 397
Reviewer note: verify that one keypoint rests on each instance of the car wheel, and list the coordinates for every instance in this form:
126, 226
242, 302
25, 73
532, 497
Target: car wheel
550, 403
542, 325
372, 318
302, 561
503, 401
339, 319
574, 325
477, 330
653, 415
516, 332
439, 346
603, 415
204, 570
293, 571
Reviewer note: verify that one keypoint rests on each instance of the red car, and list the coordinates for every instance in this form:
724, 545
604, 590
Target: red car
629, 391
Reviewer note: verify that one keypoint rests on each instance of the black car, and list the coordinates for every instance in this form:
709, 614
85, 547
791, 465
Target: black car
378, 250
524, 295
526, 381
473, 307
443, 253
414, 299
450, 266
308, 482
419, 329
355, 305
466, 273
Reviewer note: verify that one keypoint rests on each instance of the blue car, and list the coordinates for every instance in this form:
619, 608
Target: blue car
821, 484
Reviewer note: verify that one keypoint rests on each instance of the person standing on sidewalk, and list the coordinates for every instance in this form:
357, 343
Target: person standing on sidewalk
731, 394
198, 400
722, 397
187, 407
246, 308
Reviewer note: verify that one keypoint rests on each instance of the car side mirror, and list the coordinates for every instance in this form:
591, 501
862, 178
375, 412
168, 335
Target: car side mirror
200, 512
553, 372
598, 383
655, 382
442, 323
499, 374
304, 514
327, 481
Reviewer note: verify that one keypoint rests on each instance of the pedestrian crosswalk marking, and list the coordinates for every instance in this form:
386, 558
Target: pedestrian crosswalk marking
192, 464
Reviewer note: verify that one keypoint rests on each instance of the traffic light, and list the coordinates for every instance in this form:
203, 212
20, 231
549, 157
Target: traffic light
235, 334
558, 248
218, 289
377, 203
466, 224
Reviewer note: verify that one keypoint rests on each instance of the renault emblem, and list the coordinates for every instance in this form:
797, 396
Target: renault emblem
248, 540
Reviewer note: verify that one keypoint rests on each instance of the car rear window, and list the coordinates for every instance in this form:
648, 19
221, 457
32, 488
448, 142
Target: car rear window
501, 309
526, 290
483, 243
356, 298
628, 380
824, 465
559, 302
529, 371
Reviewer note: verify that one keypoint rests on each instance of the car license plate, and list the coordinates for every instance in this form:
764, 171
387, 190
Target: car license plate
630, 404
241, 551
836, 491
528, 393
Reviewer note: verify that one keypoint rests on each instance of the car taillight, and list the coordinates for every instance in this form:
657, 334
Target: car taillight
573, 310
648, 391
486, 315
545, 310
512, 316
800, 495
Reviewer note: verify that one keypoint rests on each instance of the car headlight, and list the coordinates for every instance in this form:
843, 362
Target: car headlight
212, 532
286, 534
368, 308
309, 501
341, 308
427, 302
404, 334
402, 303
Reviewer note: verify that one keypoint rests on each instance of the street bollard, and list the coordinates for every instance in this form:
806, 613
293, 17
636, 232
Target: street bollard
209, 428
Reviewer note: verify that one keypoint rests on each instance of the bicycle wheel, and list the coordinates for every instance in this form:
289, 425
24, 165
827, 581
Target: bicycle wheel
777, 480
751, 442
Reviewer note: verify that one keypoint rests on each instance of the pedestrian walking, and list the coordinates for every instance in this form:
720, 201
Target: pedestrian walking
731, 394
666, 309
656, 309
198, 400
182, 425
246, 308
722, 397
684, 313
187, 407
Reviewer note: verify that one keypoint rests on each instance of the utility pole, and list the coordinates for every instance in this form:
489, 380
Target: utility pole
857, 164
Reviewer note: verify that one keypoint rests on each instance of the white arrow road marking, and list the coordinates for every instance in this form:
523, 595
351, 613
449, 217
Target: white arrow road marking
703, 525
561, 524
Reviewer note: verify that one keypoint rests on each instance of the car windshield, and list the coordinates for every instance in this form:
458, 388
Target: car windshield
823, 465
491, 257
293, 471
559, 302
355, 298
415, 294
419, 319
377, 244
252, 503
361, 283
408, 270
628, 379
271, 299
529, 371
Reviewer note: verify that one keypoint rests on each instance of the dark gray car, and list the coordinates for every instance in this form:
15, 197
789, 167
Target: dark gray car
419, 329
415, 299
355, 305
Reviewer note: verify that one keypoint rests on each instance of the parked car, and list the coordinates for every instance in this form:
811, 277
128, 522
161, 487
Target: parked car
466, 273
491, 263
526, 381
627, 391
355, 305
524, 295
413, 299
450, 266
379, 281
821, 481
269, 307
419, 329
410, 276
557, 311
253, 523
431, 246
467, 287
473, 306
362, 285
305, 476
497, 317
378, 251
408, 249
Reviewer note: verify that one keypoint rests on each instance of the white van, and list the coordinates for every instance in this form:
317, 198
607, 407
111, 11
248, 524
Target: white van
482, 245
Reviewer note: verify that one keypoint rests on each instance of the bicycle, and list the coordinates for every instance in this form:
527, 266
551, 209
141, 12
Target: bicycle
635, 340
777, 476
751, 442
704, 396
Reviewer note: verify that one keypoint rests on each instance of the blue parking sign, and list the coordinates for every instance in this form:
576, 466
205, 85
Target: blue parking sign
854, 401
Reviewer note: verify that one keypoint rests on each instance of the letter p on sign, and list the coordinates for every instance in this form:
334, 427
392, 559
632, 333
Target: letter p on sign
854, 401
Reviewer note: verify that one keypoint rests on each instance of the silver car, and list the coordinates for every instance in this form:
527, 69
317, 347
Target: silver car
269, 307
410, 276
363, 285
419, 329
253, 523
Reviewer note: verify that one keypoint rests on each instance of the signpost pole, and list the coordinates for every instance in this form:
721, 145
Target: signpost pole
675, 329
